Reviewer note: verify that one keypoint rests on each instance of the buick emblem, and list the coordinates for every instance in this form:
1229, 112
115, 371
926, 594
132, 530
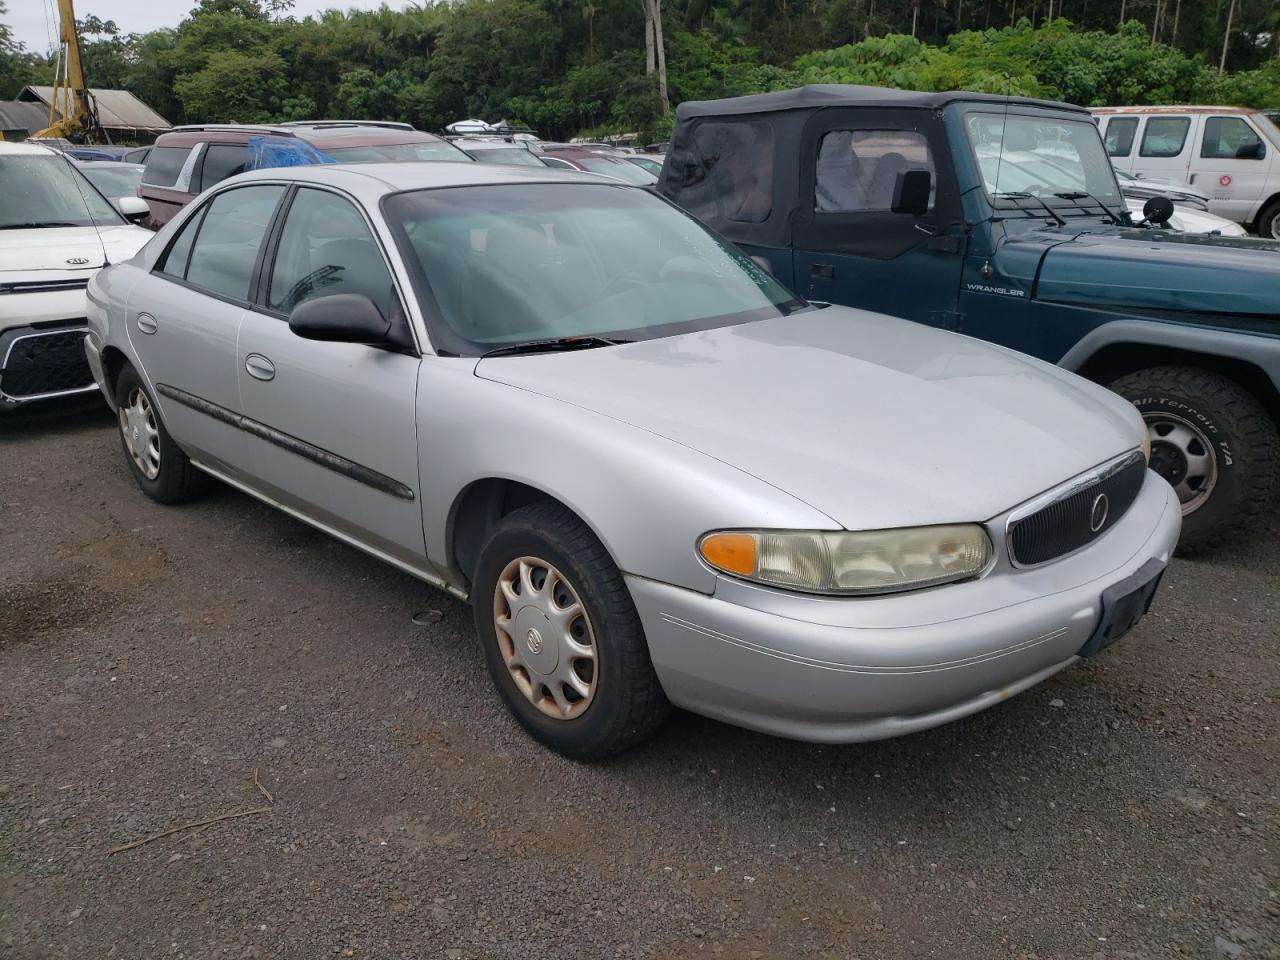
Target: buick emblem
77, 261
534, 639
1098, 512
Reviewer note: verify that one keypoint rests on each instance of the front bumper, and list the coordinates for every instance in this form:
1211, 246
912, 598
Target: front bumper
41, 346
842, 670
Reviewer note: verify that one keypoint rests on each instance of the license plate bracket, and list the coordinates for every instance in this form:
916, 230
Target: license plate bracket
1123, 605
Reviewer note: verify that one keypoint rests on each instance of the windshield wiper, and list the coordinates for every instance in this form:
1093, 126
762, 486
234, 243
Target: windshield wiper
33, 225
553, 344
1023, 195
1074, 195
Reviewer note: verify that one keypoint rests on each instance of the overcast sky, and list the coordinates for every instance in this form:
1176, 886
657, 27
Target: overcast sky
32, 20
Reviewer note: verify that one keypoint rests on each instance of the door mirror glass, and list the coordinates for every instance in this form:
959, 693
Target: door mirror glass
1158, 210
133, 208
340, 318
911, 192
1251, 151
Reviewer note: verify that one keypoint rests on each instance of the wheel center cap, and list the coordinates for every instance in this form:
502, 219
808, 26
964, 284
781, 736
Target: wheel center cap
535, 640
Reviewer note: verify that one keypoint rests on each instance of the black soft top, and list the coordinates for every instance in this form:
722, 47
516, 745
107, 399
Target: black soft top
819, 95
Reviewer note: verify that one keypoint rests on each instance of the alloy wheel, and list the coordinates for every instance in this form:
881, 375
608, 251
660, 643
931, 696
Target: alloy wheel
141, 432
1184, 456
545, 637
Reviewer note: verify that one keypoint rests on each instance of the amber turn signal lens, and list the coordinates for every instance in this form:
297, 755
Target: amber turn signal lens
731, 552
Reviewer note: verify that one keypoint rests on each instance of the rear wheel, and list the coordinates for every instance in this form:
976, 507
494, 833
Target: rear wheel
160, 468
1213, 442
561, 636
1268, 224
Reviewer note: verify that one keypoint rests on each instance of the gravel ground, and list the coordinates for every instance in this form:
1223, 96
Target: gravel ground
152, 659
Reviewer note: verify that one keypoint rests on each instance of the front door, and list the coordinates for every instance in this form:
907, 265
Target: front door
334, 429
850, 247
1231, 165
185, 339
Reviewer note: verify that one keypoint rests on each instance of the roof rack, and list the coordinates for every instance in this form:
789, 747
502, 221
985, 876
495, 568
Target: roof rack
276, 129
389, 124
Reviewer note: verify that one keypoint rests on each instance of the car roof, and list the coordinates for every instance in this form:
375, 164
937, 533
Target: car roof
26, 149
373, 180
321, 134
818, 95
1171, 109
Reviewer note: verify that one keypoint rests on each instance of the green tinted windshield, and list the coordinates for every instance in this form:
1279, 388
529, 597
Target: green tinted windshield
510, 263
1043, 156
45, 189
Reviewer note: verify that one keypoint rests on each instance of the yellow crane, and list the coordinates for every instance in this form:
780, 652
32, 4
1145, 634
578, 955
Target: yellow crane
72, 112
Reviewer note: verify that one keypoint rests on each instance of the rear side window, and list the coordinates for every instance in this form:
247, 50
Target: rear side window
1164, 136
858, 169
222, 160
1230, 138
164, 164
1120, 134
731, 177
226, 247
326, 248
174, 263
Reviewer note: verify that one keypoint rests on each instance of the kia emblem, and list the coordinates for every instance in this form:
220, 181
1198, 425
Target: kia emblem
77, 261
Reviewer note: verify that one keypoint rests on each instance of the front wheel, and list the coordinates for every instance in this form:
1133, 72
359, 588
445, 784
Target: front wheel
1268, 224
1215, 445
561, 636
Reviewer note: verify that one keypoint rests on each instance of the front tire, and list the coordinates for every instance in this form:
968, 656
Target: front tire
1268, 225
161, 469
1215, 445
561, 636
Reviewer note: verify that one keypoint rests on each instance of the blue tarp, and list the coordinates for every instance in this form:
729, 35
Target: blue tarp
270, 151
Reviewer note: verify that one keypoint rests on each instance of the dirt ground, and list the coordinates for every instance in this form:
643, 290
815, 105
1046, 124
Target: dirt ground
152, 659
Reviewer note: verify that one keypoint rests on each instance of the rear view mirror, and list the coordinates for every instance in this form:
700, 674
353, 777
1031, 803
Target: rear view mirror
1251, 151
911, 192
1158, 210
132, 209
340, 318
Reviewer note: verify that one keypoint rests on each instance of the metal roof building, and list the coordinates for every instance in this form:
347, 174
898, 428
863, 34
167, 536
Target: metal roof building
19, 120
120, 112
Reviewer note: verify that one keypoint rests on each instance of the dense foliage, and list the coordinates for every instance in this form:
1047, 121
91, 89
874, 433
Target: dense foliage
569, 66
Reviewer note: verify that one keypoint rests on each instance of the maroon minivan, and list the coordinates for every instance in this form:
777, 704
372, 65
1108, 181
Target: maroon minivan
191, 159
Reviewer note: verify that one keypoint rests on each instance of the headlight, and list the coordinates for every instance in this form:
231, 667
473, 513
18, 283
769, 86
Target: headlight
868, 561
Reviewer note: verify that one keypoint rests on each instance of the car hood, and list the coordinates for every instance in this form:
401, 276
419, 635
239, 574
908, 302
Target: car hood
874, 421
1163, 270
1189, 220
55, 248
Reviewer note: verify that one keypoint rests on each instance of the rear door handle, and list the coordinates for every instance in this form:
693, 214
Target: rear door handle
260, 367
147, 323
824, 270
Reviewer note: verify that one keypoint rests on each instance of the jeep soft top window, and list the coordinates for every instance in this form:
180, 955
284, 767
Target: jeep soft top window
1053, 158
731, 177
163, 165
858, 169
45, 190
511, 263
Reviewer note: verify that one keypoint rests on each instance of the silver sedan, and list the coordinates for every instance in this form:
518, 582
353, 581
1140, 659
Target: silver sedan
658, 476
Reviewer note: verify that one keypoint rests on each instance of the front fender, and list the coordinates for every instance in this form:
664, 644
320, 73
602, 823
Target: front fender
647, 498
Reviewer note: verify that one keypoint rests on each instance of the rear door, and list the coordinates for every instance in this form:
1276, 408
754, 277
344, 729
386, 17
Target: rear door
184, 319
334, 432
850, 247
1231, 163
1164, 146
166, 181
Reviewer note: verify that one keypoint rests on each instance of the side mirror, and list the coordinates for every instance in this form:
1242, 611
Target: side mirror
133, 209
340, 318
911, 192
1251, 151
1158, 210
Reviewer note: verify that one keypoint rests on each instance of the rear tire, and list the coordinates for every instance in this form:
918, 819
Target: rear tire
1214, 443
161, 469
541, 564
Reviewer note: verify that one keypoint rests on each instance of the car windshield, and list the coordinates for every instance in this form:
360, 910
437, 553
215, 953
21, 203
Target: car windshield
114, 182
619, 169
517, 156
512, 263
46, 190
1044, 156
382, 152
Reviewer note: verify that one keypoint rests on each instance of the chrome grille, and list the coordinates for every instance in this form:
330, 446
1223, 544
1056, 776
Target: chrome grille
1075, 515
45, 364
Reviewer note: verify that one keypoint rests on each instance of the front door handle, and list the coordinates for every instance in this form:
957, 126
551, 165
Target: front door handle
147, 323
260, 367
824, 271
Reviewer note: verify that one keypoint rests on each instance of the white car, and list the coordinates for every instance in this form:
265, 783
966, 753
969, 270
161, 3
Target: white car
56, 231
1189, 220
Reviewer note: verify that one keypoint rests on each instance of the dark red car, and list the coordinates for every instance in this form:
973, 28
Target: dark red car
191, 159
576, 158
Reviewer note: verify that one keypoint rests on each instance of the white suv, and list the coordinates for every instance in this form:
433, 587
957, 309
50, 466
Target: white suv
56, 231
1229, 153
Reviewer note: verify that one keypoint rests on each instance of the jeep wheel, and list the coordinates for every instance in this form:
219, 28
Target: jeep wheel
1213, 442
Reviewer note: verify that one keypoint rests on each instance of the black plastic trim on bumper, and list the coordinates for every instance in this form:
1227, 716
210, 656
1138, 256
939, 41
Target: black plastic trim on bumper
308, 451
